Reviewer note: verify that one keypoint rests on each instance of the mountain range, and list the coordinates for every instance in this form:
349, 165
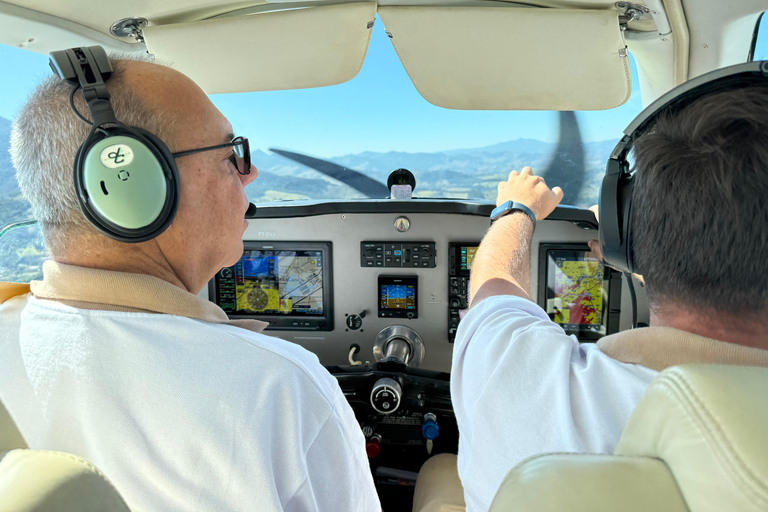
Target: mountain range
459, 173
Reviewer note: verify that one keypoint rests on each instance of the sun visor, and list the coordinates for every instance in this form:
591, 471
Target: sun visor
512, 58
293, 49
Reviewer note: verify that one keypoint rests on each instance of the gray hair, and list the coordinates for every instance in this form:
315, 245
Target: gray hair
45, 137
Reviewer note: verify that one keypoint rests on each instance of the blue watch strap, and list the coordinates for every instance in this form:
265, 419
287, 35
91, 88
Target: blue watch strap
509, 207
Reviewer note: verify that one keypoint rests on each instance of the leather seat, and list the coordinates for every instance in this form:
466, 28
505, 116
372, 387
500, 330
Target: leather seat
46, 481
697, 441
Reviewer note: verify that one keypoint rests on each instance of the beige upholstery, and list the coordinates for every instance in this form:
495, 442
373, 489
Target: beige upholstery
10, 437
46, 481
43, 481
438, 488
710, 425
581, 482
697, 441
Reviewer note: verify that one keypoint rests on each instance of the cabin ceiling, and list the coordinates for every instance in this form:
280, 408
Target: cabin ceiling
311, 43
99, 15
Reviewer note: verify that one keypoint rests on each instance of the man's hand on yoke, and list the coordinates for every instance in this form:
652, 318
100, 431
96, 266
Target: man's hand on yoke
526, 188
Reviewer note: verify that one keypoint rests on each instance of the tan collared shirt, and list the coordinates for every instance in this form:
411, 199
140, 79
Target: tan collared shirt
106, 290
661, 347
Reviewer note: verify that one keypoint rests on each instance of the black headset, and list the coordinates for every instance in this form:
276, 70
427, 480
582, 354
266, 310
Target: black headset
126, 179
616, 190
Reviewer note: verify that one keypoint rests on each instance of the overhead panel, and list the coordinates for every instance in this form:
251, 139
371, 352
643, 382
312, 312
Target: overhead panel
512, 58
293, 49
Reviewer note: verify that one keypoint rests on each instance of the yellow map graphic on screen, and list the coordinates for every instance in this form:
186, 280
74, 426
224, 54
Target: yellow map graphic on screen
470, 256
259, 297
579, 293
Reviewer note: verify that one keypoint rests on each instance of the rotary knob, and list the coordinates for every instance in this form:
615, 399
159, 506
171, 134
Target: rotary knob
385, 395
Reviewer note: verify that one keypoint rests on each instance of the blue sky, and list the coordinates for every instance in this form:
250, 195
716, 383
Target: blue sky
379, 110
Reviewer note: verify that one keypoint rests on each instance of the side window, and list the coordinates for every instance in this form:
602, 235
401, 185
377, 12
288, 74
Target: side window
22, 251
759, 50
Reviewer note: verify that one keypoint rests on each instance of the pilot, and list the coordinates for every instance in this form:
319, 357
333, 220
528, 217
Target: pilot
114, 357
520, 386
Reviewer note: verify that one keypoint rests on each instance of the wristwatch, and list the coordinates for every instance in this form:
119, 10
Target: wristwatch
509, 207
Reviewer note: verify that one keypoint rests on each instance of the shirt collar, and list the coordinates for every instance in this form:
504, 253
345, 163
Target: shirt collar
661, 347
90, 288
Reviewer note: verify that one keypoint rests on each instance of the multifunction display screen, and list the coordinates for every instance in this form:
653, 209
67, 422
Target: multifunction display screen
275, 282
467, 256
576, 291
398, 297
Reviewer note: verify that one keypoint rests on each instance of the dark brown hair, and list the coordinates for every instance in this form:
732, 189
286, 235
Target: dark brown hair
700, 205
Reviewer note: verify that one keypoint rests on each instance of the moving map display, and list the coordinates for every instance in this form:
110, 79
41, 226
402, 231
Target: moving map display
576, 291
270, 282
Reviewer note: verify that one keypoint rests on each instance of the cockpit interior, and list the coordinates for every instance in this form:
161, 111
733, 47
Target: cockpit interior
361, 251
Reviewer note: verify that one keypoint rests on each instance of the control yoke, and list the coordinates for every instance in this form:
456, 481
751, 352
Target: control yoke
398, 343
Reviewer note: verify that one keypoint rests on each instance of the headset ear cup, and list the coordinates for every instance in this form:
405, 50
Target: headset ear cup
127, 184
615, 204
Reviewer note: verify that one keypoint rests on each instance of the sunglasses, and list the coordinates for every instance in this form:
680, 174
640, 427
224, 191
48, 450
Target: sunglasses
241, 155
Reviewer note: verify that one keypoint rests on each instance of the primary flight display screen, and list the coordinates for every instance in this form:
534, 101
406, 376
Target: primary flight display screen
398, 297
467, 256
576, 291
284, 283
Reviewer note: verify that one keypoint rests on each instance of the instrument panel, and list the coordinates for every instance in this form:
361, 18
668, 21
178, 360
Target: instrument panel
337, 275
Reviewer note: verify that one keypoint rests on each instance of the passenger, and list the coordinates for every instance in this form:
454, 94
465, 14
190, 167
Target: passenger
114, 357
520, 386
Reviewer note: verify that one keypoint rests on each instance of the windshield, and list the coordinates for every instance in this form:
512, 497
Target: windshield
374, 124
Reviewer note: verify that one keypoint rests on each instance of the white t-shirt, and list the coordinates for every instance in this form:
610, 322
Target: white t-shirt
183, 414
521, 387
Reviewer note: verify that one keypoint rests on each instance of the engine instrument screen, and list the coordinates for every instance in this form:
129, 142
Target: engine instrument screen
278, 280
467, 255
398, 297
576, 291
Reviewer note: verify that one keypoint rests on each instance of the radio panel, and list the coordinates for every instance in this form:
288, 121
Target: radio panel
397, 254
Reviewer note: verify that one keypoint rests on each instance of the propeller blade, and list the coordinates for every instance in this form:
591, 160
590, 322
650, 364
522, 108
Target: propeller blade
567, 168
360, 182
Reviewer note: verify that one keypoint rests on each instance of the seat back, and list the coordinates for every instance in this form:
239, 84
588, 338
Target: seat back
696, 441
10, 437
47, 481
587, 482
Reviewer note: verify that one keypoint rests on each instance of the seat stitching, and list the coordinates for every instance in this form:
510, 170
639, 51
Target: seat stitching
718, 440
89, 465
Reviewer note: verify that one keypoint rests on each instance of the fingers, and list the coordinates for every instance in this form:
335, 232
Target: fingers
597, 250
513, 174
558, 193
527, 171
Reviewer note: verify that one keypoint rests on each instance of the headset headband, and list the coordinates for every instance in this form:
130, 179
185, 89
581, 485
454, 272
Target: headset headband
125, 177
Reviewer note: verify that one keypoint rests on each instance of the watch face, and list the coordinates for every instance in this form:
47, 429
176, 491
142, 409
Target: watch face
501, 210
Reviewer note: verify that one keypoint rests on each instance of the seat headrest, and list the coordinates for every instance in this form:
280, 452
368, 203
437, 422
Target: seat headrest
588, 482
708, 424
42, 481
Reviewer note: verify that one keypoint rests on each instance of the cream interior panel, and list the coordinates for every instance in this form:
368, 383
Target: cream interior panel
285, 50
511, 58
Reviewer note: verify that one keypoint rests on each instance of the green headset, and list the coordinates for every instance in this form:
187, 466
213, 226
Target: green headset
126, 179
